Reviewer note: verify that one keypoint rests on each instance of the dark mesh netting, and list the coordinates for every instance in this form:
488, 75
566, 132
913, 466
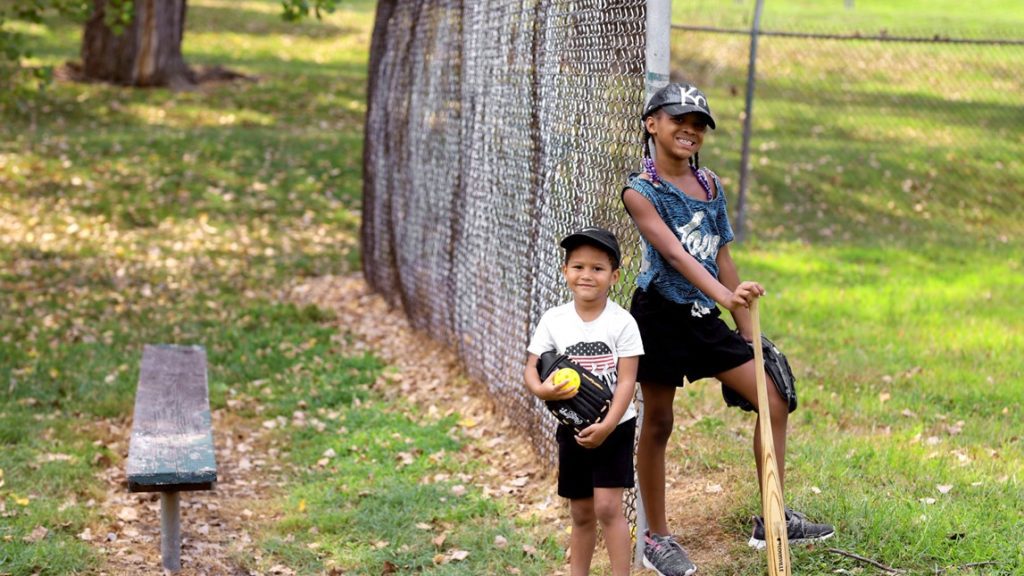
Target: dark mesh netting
494, 128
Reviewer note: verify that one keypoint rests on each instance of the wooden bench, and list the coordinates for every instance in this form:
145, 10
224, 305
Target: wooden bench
171, 448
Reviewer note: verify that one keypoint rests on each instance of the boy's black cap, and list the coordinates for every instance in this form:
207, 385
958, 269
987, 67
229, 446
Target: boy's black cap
594, 236
677, 99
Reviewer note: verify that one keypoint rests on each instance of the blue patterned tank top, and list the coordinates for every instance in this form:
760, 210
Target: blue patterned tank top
702, 227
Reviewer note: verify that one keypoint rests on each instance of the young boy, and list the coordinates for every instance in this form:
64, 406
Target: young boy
595, 466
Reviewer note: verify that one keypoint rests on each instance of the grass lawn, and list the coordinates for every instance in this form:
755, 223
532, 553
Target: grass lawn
143, 216
889, 243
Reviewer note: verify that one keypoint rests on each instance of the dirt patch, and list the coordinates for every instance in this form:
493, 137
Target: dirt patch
216, 526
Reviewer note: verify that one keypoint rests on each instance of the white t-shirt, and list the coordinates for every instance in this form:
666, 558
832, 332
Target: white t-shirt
596, 345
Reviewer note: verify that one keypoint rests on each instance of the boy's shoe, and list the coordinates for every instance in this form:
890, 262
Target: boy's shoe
665, 556
798, 529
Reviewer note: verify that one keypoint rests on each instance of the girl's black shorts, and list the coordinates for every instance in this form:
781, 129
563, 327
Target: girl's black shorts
678, 344
610, 465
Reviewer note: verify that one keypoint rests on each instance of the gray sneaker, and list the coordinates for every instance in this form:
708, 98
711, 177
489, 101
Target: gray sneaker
665, 556
799, 530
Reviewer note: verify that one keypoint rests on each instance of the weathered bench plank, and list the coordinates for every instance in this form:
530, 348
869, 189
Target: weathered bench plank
171, 447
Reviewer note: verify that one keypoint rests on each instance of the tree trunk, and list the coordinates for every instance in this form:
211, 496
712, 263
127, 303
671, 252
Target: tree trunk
146, 53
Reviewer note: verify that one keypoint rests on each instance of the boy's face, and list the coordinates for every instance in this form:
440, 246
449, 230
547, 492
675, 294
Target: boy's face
589, 273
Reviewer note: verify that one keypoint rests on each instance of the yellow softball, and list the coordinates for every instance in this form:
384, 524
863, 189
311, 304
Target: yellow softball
567, 378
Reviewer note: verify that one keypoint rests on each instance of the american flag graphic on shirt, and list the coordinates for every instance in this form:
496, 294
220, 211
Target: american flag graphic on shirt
596, 357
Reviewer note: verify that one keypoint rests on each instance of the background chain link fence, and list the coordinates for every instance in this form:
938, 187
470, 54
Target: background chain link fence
882, 111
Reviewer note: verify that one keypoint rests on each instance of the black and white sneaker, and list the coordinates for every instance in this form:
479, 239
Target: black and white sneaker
799, 530
666, 557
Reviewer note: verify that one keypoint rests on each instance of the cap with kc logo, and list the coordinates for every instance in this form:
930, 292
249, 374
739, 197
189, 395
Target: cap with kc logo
677, 99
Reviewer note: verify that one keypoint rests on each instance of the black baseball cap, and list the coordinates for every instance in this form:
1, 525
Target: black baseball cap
594, 236
677, 99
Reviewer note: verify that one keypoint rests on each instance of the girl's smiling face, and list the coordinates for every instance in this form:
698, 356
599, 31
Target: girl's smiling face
678, 136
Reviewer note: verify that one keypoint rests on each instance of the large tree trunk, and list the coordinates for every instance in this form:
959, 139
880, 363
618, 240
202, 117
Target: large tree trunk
146, 53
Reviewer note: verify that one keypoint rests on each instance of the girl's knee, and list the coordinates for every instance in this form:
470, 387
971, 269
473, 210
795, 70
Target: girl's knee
657, 424
779, 405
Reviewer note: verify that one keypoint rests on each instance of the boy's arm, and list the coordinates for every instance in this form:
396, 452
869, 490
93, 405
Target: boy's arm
657, 233
544, 390
730, 277
594, 435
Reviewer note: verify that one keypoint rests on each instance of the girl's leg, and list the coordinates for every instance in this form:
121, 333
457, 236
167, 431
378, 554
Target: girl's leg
608, 509
650, 453
584, 535
743, 381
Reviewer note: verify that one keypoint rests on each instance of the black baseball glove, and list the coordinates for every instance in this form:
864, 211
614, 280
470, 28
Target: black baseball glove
591, 402
777, 368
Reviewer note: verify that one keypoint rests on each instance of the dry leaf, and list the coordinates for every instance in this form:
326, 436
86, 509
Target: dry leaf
37, 534
128, 514
458, 555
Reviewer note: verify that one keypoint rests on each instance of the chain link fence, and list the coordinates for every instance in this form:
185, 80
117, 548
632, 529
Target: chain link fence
886, 113
495, 128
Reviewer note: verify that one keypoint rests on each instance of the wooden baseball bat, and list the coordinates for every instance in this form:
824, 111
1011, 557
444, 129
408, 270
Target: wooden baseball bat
773, 507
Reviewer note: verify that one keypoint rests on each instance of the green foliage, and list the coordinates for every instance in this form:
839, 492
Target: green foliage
21, 83
298, 9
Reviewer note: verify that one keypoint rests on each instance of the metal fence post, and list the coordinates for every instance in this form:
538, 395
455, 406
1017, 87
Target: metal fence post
658, 39
741, 203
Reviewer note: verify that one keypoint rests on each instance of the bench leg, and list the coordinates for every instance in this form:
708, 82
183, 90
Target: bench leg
170, 530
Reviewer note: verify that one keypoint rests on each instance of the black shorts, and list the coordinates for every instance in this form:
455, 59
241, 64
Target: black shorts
610, 465
678, 344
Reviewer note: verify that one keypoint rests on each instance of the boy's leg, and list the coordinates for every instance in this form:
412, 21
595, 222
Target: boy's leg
584, 535
608, 509
655, 431
742, 380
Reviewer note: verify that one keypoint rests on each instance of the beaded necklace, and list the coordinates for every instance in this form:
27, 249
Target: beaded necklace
648, 165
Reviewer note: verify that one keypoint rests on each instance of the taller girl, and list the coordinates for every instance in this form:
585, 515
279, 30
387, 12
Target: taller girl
680, 211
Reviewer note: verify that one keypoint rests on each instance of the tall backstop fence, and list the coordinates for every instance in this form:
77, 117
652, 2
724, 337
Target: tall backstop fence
495, 127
